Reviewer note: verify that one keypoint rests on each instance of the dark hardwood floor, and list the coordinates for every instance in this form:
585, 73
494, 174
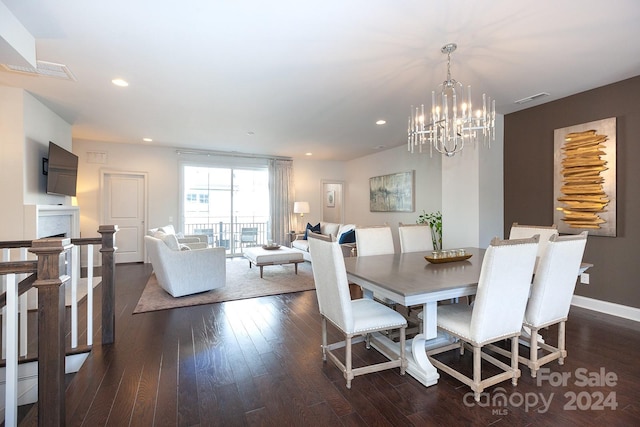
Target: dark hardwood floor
258, 362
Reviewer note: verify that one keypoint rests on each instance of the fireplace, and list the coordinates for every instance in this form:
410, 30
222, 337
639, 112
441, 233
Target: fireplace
51, 220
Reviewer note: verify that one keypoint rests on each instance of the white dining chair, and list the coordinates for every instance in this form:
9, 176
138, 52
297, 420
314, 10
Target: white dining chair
497, 312
550, 298
415, 238
376, 240
356, 319
519, 231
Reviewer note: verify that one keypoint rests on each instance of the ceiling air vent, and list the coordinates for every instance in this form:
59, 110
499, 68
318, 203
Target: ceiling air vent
531, 98
46, 69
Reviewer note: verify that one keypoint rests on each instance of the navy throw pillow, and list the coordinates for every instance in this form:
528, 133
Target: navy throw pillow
348, 237
314, 228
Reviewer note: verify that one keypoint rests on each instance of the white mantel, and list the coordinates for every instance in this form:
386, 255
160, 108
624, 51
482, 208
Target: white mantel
50, 220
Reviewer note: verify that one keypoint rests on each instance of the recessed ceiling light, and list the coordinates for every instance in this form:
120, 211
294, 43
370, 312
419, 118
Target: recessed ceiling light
120, 82
251, 133
308, 154
147, 139
381, 122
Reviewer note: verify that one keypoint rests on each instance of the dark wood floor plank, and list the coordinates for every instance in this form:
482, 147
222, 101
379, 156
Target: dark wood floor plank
250, 353
188, 406
166, 405
258, 362
143, 412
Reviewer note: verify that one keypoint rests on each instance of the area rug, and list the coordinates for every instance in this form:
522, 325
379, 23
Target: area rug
242, 282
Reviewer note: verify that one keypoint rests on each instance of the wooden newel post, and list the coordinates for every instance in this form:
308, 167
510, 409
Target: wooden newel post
108, 251
52, 274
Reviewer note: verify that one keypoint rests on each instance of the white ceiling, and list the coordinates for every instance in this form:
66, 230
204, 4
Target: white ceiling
309, 76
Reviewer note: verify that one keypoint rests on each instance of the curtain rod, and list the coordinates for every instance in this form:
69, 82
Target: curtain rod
230, 154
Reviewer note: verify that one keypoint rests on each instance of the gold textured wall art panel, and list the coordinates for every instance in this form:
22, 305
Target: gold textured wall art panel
585, 178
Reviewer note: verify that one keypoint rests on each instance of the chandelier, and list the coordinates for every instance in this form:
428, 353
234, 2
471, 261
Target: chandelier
451, 121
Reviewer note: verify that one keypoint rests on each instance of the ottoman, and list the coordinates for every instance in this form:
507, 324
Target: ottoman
283, 255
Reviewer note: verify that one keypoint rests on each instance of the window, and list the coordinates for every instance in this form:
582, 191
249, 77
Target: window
228, 200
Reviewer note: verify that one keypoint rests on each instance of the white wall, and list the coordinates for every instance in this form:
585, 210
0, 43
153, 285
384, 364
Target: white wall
492, 188
472, 194
427, 186
41, 125
11, 163
307, 175
161, 165
26, 127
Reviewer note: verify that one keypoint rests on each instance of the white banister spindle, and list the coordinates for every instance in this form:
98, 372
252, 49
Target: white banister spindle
11, 368
89, 294
24, 310
3, 312
75, 260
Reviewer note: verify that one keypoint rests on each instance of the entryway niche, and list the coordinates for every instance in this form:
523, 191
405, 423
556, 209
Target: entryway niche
332, 201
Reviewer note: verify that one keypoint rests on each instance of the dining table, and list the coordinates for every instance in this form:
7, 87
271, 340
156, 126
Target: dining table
409, 279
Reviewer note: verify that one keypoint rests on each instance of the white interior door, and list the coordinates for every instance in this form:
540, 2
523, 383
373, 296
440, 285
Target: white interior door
124, 196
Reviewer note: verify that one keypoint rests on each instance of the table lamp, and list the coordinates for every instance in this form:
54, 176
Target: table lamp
301, 208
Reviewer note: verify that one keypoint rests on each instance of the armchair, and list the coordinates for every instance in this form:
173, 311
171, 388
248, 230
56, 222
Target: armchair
186, 272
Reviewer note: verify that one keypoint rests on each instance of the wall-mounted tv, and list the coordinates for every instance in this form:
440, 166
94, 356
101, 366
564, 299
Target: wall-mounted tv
62, 171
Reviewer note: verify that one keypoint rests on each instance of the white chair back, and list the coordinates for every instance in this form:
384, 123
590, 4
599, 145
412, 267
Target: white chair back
374, 241
415, 238
503, 289
524, 231
332, 287
555, 280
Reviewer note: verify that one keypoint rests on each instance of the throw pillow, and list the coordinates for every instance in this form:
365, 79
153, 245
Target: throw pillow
168, 229
171, 241
348, 237
344, 228
314, 228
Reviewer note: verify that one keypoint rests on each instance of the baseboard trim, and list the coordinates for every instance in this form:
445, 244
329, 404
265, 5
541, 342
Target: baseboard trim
606, 307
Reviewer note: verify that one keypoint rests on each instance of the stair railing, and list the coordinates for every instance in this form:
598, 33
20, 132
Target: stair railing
49, 274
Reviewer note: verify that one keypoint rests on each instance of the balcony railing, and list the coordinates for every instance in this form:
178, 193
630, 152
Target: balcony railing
232, 236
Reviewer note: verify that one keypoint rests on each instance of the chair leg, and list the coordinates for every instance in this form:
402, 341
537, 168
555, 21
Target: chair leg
561, 342
324, 339
477, 375
403, 357
533, 351
367, 341
348, 373
515, 343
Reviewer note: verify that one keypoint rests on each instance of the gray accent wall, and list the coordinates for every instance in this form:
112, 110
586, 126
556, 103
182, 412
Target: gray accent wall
528, 181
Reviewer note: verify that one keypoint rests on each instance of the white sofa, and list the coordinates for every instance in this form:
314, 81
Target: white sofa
186, 272
331, 231
192, 241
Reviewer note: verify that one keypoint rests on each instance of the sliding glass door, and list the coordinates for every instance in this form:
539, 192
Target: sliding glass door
230, 205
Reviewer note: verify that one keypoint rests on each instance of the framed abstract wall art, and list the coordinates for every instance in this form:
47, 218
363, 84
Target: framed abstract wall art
392, 193
584, 184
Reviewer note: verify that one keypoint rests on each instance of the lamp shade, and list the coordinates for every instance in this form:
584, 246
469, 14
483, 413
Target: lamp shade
301, 207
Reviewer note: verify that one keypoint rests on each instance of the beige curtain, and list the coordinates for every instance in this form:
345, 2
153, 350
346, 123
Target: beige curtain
281, 196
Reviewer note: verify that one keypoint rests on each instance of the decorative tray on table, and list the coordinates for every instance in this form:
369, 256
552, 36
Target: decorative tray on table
441, 260
271, 246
